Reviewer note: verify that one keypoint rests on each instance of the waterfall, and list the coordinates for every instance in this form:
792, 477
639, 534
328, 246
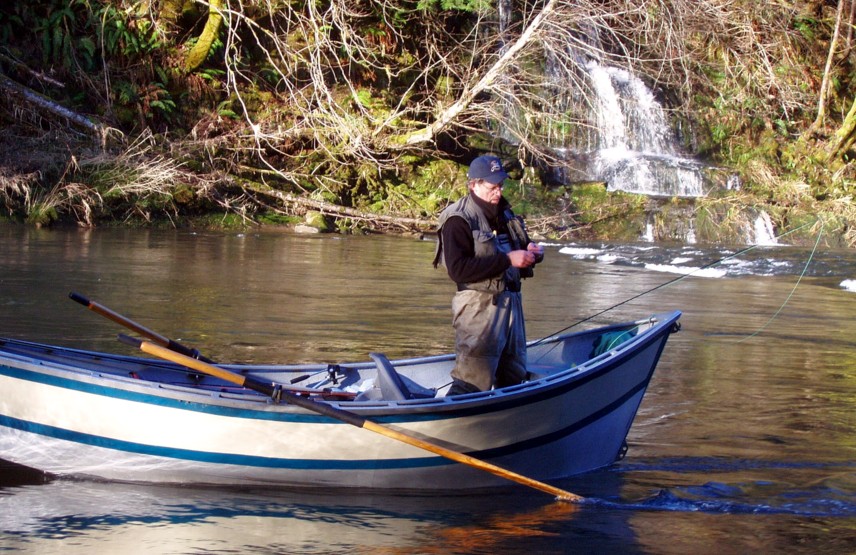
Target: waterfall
763, 232
623, 136
648, 237
635, 148
609, 126
690, 238
628, 115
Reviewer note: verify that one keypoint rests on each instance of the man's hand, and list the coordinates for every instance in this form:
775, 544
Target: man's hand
522, 259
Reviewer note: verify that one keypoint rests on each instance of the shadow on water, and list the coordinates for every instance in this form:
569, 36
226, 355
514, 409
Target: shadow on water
13, 475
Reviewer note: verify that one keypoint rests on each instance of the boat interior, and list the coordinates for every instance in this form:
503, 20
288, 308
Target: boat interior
378, 379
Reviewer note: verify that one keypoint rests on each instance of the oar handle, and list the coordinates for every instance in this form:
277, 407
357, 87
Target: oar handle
133, 326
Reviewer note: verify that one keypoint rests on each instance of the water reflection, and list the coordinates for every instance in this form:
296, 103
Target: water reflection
115, 518
254, 297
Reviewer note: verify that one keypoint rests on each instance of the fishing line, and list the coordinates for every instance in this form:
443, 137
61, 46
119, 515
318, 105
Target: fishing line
673, 281
802, 275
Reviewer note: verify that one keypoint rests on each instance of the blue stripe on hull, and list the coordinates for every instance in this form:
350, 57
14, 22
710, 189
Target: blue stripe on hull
216, 458
563, 432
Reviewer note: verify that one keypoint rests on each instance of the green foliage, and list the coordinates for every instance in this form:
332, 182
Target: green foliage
608, 214
72, 32
364, 97
472, 6
159, 100
317, 220
8, 23
432, 185
225, 110
718, 220
78, 39
274, 218
125, 92
592, 201
214, 75
42, 214
124, 35
220, 220
56, 30
807, 27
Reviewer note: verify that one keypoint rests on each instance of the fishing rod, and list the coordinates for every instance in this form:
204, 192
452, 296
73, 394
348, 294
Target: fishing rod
675, 280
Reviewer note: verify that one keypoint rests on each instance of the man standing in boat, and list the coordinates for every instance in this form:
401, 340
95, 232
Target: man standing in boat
486, 252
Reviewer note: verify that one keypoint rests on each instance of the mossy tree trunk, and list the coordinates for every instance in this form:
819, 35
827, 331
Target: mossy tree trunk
827, 71
844, 138
200, 50
171, 9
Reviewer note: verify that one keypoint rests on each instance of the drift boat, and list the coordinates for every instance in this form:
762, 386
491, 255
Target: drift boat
71, 412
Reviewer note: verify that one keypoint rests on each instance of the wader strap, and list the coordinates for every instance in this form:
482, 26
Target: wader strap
510, 286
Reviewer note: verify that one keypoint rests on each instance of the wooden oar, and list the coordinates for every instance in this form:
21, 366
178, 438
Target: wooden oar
277, 393
130, 324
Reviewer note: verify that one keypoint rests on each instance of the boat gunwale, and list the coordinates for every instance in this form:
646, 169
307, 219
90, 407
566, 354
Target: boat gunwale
440, 407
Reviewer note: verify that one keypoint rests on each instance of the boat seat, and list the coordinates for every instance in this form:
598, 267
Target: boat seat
391, 386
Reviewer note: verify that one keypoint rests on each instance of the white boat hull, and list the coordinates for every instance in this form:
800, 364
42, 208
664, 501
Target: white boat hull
65, 418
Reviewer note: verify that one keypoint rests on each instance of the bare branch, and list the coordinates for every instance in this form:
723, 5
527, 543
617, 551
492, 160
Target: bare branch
490, 76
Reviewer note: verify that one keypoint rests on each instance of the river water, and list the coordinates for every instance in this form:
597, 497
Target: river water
745, 440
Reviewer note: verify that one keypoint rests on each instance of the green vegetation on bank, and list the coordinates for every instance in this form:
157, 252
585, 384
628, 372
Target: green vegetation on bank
362, 114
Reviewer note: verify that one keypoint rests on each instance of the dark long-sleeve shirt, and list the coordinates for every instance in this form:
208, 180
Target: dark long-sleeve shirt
459, 254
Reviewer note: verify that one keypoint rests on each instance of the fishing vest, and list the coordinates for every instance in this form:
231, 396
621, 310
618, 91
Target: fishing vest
486, 243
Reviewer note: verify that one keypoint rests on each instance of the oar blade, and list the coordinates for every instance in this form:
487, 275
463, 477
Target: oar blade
137, 328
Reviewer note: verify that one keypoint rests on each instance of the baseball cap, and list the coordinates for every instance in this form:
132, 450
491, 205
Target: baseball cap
488, 168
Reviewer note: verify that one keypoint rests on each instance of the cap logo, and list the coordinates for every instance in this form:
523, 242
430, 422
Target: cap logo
495, 166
